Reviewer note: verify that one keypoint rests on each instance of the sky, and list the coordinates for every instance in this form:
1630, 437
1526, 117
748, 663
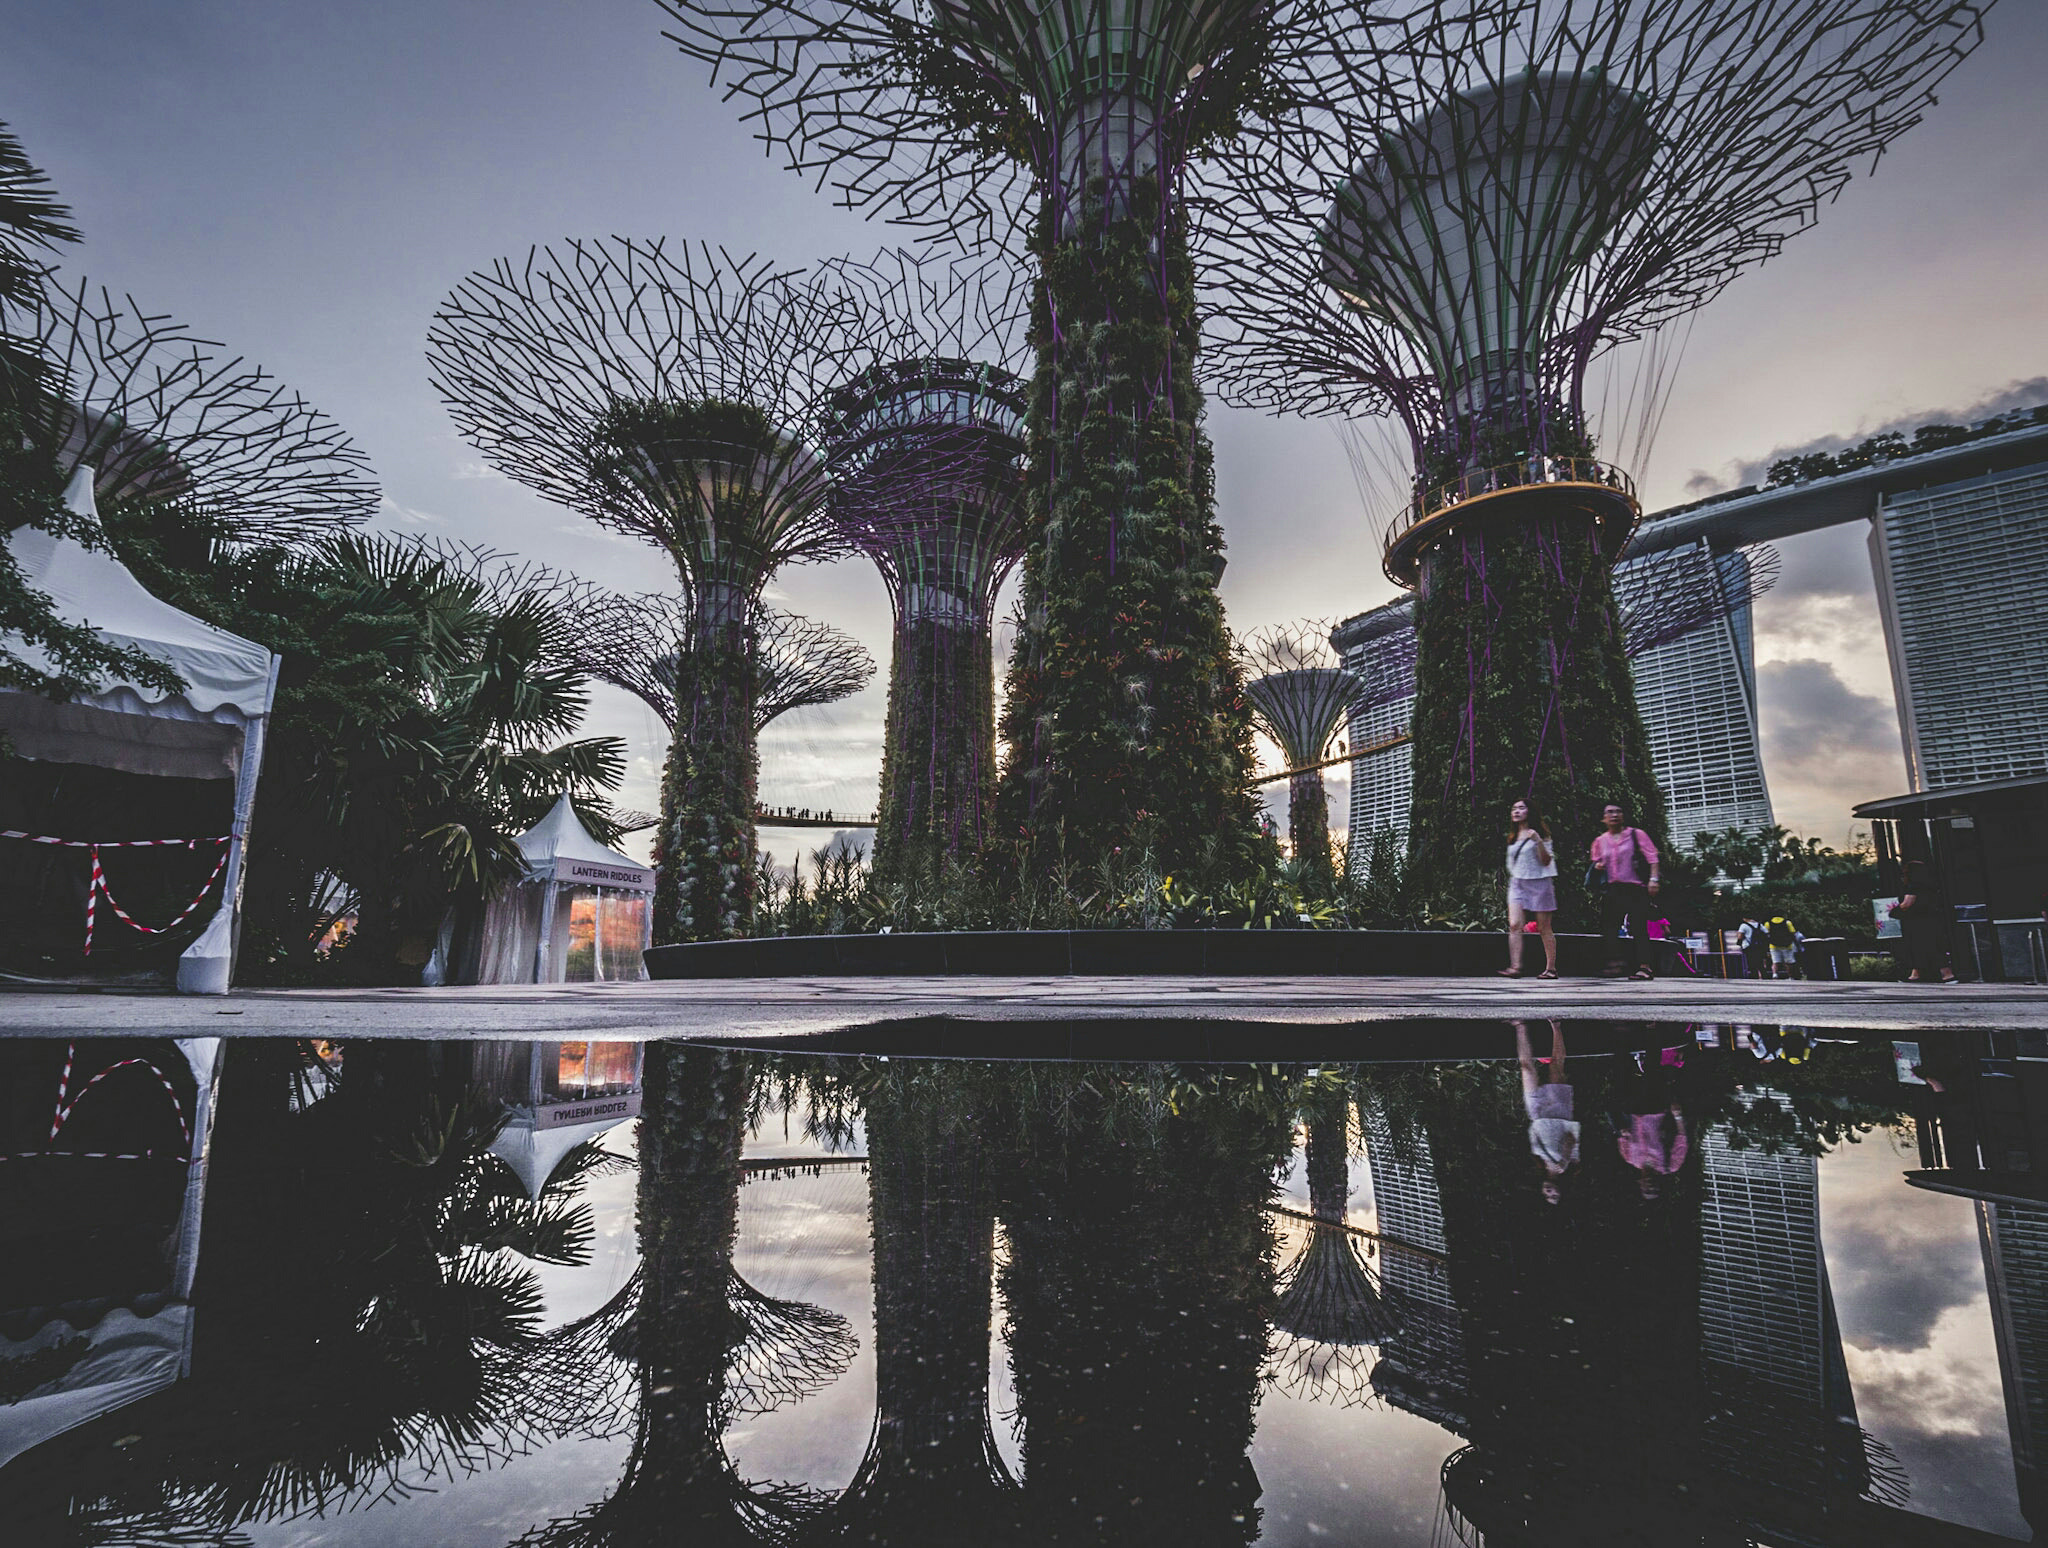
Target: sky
303, 183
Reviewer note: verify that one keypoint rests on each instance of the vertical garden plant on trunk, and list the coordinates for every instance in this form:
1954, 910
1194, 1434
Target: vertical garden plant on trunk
1061, 130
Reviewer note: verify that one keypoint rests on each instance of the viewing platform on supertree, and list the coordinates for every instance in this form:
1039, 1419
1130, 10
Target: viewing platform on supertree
1061, 133
670, 395
1519, 190
932, 444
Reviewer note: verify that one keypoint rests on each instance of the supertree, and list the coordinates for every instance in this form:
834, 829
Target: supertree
1300, 696
667, 395
638, 642
1061, 128
1331, 1311
195, 453
931, 447
1518, 189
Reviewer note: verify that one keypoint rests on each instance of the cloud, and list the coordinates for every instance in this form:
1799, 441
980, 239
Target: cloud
2014, 395
1825, 745
1813, 721
409, 514
475, 470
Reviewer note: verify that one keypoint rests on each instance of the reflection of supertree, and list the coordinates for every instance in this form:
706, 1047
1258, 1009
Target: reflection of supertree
1139, 1284
190, 448
1125, 720
936, 435
1555, 180
1331, 1306
690, 1325
666, 395
1300, 696
932, 1473
638, 643
579, 1380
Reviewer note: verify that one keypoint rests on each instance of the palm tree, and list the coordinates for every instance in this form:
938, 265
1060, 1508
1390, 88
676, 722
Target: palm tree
426, 720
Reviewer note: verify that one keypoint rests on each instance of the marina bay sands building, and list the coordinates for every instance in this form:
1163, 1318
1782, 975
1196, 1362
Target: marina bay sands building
1959, 549
1697, 695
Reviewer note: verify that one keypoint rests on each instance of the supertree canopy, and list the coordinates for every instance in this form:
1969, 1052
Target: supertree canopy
1061, 128
931, 450
193, 451
637, 643
668, 395
1459, 210
1300, 698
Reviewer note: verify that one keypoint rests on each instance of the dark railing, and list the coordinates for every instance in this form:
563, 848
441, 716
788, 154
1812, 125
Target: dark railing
1432, 502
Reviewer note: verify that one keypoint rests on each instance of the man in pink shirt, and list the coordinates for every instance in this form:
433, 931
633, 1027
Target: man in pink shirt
1628, 861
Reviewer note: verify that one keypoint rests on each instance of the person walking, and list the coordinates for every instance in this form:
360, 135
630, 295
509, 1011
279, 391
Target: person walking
1654, 1140
1784, 938
1547, 1098
1923, 923
1627, 862
1756, 955
1532, 888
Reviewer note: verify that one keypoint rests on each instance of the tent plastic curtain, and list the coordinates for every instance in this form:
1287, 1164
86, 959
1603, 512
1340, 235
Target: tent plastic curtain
624, 923
511, 935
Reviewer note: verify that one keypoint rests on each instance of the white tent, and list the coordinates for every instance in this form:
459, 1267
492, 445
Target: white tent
584, 912
557, 1095
212, 730
129, 1350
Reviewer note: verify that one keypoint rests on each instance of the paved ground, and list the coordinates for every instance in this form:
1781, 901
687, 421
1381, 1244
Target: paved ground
768, 1008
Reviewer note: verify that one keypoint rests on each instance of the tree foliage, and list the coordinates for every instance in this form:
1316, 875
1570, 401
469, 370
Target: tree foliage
425, 717
1126, 723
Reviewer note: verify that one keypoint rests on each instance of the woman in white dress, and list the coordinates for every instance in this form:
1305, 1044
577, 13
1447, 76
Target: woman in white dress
1532, 888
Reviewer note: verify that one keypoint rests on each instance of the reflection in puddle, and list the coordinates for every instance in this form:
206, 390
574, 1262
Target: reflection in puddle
1580, 1292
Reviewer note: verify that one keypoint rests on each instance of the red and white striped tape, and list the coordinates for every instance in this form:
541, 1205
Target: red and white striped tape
97, 887
64, 843
65, 1109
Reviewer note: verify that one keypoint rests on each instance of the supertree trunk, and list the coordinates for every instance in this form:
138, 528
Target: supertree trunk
1308, 821
1519, 646
933, 1474
704, 858
691, 1132
1126, 723
1139, 1285
938, 758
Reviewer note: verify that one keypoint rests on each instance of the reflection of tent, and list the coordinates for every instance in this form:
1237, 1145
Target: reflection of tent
557, 1096
580, 915
101, 1233
211, 732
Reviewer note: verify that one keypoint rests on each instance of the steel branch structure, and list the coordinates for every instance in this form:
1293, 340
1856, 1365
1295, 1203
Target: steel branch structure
961, 115
670, 395
638, 643
1061, 129
170, 423
1455, 213
1300, 696
1519, 187
1666, 596
932, 442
